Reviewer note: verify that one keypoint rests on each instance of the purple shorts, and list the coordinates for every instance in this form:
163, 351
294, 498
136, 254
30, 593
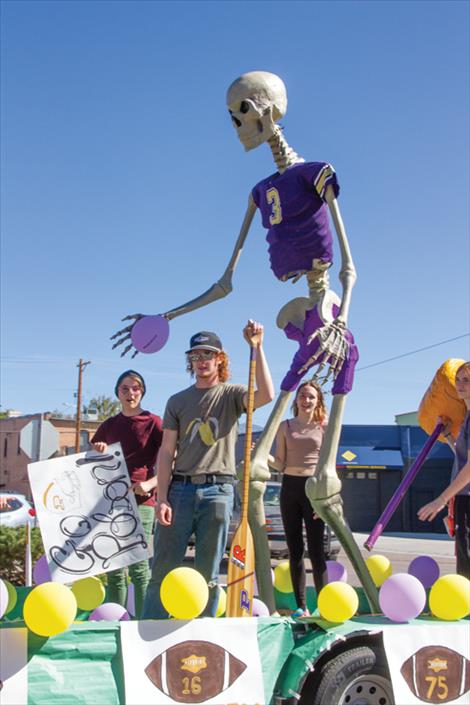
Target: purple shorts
344, 381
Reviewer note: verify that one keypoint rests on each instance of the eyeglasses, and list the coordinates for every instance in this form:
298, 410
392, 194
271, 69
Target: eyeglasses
201, 355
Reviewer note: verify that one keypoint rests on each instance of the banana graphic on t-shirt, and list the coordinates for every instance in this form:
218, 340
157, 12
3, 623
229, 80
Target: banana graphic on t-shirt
208, 430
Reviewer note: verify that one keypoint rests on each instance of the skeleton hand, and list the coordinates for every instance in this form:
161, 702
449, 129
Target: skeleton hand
328, 345
126, 334
331, 349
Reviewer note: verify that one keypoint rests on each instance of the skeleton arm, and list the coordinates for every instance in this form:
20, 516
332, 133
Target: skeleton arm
347, 275
224, 285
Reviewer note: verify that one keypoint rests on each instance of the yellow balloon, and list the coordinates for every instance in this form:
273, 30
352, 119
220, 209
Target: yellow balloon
184, 593
337, 602
222, 605
49, 609
380, 568
282, 579
12, 596
89, 593
449, 598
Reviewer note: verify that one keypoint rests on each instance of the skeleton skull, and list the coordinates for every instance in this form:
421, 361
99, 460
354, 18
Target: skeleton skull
256, 101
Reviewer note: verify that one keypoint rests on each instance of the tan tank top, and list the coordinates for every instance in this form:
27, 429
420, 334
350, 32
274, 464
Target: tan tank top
303, 447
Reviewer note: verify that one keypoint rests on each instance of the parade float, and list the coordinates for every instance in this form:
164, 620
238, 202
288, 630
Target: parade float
400, 638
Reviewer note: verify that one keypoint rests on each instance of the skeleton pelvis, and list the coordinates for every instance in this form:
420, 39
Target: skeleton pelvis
294, 311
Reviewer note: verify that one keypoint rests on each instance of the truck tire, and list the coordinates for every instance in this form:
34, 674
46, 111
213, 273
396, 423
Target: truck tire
354, 677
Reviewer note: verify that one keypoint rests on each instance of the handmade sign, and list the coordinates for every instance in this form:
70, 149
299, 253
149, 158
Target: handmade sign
87, 514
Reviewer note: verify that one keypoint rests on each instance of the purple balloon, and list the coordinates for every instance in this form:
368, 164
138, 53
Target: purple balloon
41, 572
402, 597
336, 572
425, 569
259, 608
109, 612
150, 334
130, 604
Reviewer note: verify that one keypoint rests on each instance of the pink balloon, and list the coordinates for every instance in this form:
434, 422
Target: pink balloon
4, 597
336, 572
41, 572
425, 569
402, 597
150, 334
109, 612
259, 608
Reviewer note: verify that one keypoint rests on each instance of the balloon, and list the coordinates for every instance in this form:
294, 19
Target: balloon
4, 598
259, 608
109, 612
49, 609
450, 597
184, 593
282, 579
222, 605
337, 602
336, 572
402, 597
12, 596
150, 333
41, 572
425, 569
89, 593
380, 568
130, 604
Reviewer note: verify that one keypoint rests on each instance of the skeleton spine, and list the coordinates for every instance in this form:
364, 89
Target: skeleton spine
283, 154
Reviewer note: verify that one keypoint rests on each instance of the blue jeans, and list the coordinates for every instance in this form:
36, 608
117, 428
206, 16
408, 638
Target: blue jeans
205, 510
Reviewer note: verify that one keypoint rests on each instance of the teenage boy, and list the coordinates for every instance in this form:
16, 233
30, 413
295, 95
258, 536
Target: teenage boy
140, 434
196, 469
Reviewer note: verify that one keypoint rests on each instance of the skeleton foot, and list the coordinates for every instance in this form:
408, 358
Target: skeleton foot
330, 509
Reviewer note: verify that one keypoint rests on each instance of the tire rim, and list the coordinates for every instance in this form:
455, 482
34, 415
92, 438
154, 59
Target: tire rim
368, 689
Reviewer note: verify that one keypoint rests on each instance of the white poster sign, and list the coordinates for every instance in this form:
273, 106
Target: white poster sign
210, 661
87, 514
430, 663
13, 666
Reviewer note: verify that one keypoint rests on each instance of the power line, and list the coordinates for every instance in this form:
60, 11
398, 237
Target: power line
412, 352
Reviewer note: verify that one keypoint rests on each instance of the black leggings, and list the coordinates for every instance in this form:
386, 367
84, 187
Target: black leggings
296, 510
462, 534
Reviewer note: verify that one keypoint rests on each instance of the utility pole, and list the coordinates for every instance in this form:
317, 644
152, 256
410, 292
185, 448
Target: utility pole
81, 366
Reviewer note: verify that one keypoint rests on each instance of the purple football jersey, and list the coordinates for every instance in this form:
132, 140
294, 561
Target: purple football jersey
294, 212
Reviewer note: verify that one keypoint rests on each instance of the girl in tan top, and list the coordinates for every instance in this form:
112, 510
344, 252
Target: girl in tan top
298, 444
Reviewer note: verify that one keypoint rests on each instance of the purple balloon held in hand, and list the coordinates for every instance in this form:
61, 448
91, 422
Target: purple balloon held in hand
150, 334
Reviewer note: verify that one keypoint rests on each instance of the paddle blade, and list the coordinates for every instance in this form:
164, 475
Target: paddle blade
241, 573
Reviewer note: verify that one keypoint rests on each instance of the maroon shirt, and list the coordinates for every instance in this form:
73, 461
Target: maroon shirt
140, 438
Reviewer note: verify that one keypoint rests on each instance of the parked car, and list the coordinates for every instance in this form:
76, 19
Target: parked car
15, 510
275, 527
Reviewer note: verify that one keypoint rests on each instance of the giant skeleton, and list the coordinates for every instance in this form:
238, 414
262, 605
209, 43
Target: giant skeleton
294, 204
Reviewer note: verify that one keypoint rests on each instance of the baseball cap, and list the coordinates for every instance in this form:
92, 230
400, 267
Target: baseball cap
205, 340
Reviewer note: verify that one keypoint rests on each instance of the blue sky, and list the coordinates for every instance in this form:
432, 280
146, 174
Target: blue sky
124, 185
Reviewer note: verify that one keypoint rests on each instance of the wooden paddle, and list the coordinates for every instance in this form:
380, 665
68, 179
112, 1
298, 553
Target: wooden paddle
241, 564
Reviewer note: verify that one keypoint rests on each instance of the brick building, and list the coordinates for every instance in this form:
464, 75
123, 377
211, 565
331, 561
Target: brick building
14, 461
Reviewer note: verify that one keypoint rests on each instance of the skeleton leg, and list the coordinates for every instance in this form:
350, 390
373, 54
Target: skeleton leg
323, 491
259, 474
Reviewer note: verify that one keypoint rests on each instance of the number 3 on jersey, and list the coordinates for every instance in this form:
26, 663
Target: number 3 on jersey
272, 197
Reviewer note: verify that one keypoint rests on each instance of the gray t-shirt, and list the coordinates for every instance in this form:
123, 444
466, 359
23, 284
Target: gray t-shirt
462, 447
207, 425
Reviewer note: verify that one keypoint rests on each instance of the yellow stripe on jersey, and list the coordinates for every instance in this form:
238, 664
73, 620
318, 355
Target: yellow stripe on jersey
322, 177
